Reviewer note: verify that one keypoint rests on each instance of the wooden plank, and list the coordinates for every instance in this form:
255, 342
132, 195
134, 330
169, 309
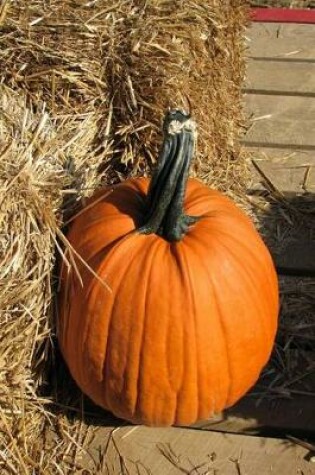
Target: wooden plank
277, 417
279, 121
292, 173
143, 450
310, 185
283, 77
281, 41
297, 258
288, 15
299, 33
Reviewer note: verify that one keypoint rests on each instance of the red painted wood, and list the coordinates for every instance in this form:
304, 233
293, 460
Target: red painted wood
283, 15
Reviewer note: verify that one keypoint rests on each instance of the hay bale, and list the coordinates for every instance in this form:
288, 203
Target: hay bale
141, 57
83, 89
45, 165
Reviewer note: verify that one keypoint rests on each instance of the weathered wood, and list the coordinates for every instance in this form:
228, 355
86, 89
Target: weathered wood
281, 77
297, 258
279, 40
277, 417
281, 121
141, 450
292, 173
310, 184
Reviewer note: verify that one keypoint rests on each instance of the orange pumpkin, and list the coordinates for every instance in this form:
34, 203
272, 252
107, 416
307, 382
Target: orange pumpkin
189, 317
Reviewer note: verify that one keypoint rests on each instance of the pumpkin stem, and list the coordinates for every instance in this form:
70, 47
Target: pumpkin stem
165, 199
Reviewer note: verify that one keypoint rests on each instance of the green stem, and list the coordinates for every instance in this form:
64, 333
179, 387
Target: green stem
165, 199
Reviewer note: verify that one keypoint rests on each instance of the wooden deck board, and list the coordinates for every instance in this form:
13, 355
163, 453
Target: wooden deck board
281, 77
174, 450
282, 41
273, 417
291, 172
281, 141
281, 136
281, 121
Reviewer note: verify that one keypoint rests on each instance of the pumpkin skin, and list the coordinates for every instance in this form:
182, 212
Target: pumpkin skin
187, 326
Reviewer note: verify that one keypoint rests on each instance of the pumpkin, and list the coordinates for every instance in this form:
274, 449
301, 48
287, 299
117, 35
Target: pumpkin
169, 310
